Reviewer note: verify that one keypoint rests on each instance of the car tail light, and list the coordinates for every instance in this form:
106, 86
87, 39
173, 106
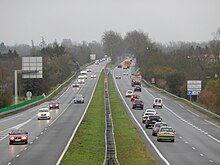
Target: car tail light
148, 118
23, 137
51, 105
57, 105
12, 138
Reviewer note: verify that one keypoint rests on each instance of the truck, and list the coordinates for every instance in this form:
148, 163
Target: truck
136, 79
127, 64
92, 57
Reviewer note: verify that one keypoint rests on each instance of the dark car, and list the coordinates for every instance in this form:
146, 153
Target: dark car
18, 136
54, 105
75, 85
133, 97
119, 66
133, 83
137, 88
138, 104
151, 120
78, 99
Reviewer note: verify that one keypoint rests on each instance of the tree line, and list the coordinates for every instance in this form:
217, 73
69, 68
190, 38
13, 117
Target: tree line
171, 65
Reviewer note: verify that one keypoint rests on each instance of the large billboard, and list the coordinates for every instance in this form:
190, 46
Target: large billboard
32, 67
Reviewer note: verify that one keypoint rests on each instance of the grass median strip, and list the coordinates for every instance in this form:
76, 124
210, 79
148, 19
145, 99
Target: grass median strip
130, 147
88, 145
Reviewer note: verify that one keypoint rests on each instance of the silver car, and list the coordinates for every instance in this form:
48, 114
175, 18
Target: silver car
157, 126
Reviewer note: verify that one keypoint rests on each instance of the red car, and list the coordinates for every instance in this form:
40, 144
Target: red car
54, 105
18, 136
133, 97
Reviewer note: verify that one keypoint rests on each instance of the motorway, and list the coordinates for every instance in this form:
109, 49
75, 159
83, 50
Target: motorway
47, 138
197, 137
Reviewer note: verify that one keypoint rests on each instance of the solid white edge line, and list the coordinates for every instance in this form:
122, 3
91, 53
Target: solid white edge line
152, 144
74, 132
212, 123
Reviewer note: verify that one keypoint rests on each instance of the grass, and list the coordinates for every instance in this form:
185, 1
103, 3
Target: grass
130, 147
88, 145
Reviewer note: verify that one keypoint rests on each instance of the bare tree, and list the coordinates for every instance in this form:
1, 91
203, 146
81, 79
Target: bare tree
112, 44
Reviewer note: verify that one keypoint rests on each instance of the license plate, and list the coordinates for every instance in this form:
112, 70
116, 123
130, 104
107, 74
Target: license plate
17, 140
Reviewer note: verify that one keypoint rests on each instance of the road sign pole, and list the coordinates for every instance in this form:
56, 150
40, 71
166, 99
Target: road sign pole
16, 87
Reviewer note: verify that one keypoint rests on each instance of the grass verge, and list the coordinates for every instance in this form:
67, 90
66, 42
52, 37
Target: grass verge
88, 145
130, 147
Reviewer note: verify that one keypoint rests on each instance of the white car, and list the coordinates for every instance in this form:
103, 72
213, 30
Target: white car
147, 113
43, 113
125, 73
129, 93
93, 75
89, 70
81, 79
158, 102
85, 76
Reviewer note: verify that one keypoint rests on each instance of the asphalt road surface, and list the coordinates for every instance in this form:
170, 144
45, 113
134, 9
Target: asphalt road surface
47, 138
197, 137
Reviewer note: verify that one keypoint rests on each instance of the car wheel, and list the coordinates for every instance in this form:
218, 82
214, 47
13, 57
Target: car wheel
26, 143
173, 140
153, 106
10, 143
158, 140
146, 126
161, 106
49, 118
153, 134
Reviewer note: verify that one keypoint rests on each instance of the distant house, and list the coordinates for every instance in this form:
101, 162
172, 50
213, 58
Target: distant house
211, 59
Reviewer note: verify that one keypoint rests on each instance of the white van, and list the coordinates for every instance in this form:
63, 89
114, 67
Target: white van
81, 79
158, 102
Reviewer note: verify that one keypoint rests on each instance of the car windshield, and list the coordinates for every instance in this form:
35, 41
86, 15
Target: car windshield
43, 110
161, 124
166, 130
138, 101
18, 132
79, 96
154, 117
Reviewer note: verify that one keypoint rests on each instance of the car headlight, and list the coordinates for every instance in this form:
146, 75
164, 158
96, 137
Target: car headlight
38, 114
12, 138
23, 137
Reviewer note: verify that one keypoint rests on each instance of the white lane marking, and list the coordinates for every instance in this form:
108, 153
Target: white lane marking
147, 137
211, 161
214, 138
201, 155
71, 138
175, 114
15, 127
17, 156
10, 118
212, 123
180, 105
193, 148
9, 163
193, 113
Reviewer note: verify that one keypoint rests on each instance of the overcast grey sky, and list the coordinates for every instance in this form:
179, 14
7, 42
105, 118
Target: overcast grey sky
164, 20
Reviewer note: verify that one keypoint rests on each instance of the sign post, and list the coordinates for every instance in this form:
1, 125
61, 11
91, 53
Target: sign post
32, 67
194, 87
